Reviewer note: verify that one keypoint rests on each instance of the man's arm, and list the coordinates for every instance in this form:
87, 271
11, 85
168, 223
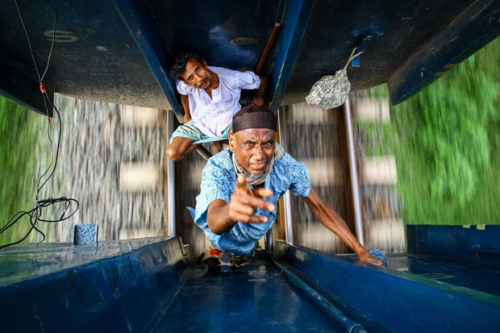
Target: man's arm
334, 222
185, 106
222, 216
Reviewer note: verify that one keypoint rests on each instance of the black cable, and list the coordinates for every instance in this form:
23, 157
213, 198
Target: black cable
39, 187
52, 42
35, 214
40, 78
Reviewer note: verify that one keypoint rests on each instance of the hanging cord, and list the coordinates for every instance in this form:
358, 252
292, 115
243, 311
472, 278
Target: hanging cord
351, 57
70, 206
40, 78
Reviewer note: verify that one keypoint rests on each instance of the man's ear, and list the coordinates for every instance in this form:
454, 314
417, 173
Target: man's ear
232, 141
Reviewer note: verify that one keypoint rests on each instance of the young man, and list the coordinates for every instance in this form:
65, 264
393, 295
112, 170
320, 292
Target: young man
230, 208
210, 97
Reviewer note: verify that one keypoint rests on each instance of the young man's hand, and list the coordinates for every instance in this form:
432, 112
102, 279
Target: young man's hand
187, 117
244, 202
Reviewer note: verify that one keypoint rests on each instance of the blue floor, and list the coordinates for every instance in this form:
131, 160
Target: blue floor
254, 298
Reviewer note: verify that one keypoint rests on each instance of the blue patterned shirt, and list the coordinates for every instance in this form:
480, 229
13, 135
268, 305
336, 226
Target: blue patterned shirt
218, 182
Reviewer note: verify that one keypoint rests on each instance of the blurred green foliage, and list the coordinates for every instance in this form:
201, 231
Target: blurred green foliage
17, 164
446, 141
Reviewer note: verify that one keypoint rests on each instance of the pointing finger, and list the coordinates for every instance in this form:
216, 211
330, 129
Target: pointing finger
242, 184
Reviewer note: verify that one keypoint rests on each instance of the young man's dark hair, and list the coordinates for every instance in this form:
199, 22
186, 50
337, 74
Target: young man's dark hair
179, 64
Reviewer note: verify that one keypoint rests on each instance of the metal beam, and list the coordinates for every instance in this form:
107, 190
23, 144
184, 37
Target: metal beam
19, 84
353, 171
286, 198
138, 22
171, 226
295, 22
474, 28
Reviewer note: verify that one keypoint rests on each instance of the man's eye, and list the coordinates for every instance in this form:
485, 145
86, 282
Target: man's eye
249, 145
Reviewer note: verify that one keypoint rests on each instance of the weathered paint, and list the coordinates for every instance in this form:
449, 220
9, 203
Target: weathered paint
138, 23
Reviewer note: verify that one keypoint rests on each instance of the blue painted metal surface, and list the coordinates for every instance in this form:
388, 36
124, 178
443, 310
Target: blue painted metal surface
138, 22
322, 302
477, 245
98, 57
227, 33
145, 285
475, 27
24, 91
335, 27
115, 287
254, 298
94, 56
397, 298
19, 81
295, 22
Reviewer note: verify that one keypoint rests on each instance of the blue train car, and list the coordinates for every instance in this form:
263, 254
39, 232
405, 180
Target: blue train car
447, 282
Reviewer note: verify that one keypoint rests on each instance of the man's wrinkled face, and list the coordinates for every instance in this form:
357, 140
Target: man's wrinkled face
197, 74
254, 148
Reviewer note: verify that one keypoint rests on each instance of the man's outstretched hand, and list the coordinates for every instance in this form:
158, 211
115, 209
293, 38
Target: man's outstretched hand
244, 202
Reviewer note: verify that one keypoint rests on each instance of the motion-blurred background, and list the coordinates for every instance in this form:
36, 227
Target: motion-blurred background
433, 159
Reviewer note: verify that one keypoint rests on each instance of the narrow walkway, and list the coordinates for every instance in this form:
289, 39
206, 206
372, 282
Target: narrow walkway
254, 298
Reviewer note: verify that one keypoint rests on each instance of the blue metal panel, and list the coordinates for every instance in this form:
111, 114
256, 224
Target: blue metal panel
19, 81
115, 287
471, 30
19, 88
217, 30
94, 55
384, 299
297, 16
96, 58
135, 17
472, 244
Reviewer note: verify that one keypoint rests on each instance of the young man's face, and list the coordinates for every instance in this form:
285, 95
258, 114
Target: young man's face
197, 75
253, 147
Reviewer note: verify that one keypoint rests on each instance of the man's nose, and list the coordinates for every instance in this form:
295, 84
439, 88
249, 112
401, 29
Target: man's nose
259, 154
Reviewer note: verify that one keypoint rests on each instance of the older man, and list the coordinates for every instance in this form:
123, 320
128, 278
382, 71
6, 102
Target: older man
241, 186
210, 97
